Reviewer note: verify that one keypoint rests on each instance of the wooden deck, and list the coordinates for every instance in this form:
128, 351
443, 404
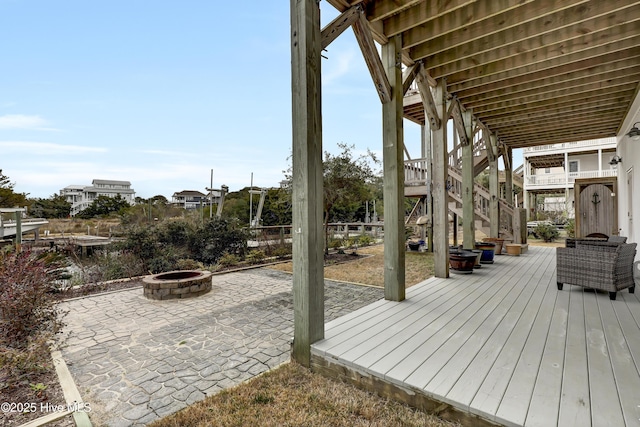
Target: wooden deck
502, 344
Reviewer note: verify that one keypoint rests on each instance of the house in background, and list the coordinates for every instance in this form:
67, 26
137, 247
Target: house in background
551, 171
81, 196
193, 199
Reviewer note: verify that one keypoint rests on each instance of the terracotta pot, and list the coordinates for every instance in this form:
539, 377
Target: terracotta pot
498, 241
462, 262
514, 249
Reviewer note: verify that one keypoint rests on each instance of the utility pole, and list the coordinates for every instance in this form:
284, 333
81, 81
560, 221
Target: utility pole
211, 197
251, 202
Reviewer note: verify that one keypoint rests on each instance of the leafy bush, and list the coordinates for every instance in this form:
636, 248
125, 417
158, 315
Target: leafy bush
570, 227
364, 240
256, 256
189, 264
336, 243
26, 304
281, 252
227, 260
215, 238
29, 317
546, 231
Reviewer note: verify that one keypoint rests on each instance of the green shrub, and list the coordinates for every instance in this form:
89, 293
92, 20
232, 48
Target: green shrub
281, 252
189, 264
365, 240
546, 231
255, 256
570, 227
228, 260
336, 243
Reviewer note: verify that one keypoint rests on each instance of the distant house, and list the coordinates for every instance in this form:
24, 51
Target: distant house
193, 199
552, 170
81, 196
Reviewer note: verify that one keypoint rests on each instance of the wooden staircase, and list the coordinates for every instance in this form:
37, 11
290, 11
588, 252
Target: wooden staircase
416, 186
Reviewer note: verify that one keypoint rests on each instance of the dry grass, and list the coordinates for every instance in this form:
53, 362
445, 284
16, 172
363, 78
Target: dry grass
293, 396
370, 270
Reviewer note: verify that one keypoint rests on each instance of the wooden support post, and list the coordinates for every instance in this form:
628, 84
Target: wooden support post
508, 174
18, 217
494, 214
425, 133
454, 224
468, 203
440, 194
393, 175
308, 257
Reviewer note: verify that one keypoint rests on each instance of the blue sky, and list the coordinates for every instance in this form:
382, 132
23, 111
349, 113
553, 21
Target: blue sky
159, 93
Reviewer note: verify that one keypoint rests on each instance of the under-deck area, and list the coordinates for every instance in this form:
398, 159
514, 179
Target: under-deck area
502, 344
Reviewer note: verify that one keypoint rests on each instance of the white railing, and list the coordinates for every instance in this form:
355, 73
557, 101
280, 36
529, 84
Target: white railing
560, 179
565, 146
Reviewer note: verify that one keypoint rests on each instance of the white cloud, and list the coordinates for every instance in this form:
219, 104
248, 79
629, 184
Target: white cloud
337, 66
21, 121
40, 148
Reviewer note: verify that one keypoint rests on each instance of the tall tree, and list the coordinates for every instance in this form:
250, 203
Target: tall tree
8, 197
104, 206
54, 207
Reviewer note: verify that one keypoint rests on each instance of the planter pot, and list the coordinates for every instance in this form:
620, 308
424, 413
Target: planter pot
414, 246
514, 249
488, 250
499, 244
478, 253
462, 262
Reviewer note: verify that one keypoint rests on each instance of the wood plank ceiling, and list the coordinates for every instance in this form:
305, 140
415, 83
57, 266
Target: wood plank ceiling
534, 72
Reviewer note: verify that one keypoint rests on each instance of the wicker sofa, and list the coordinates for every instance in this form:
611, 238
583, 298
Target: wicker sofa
607, 266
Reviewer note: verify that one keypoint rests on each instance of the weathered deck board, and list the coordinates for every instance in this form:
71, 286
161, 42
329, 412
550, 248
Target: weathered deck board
503, 343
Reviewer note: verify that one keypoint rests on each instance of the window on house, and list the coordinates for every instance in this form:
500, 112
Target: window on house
574, 166
547, 170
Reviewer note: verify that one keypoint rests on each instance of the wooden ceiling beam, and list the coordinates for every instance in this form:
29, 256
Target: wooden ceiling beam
553, 67
587, 84
551, 100
568, 103
531, 50
515, 42
559, 138
372, 58
421, 13
547, 58
560, 129
560, 123
543, 116
378, 10
581, 69
480, 20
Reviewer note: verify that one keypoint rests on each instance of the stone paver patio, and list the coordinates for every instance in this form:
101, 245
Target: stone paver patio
135, 360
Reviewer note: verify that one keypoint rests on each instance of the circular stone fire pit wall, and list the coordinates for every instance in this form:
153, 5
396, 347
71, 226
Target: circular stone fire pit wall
177, 284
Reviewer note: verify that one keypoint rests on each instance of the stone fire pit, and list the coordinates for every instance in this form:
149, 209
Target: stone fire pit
177, 284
